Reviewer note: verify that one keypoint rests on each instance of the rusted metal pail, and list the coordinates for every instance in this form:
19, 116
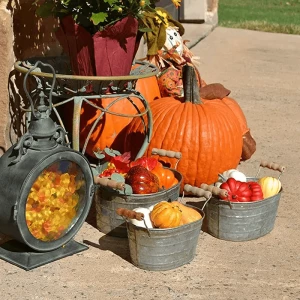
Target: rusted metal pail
163, 249
243, 221
107, 201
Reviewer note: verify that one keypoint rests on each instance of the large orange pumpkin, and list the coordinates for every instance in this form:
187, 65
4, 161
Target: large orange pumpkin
108, 132
249, 144
208, 134
149, 88
234, 106
218, 91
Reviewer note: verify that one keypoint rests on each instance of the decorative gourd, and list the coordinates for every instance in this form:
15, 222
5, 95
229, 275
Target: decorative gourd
270, 186
108, 132
236, 174
165, 176
165, 215
189, 214
207, 134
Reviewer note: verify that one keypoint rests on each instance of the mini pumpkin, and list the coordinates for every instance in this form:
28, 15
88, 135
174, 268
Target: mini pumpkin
189, 214
165, 176
270, 186
165, 215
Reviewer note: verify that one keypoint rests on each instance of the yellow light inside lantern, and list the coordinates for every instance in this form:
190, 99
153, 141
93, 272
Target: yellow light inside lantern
52, 204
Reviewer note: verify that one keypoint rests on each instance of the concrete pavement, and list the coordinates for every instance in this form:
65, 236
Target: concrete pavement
262, 71
195, 33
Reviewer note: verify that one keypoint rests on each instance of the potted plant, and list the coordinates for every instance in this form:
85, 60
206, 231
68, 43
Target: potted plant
101, 37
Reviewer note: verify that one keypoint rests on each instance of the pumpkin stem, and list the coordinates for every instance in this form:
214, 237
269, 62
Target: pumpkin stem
190, 85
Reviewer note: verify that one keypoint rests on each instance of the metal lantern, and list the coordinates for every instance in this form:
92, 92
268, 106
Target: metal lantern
46, 190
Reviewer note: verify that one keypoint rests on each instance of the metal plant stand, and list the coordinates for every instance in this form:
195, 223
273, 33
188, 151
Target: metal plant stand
79, 89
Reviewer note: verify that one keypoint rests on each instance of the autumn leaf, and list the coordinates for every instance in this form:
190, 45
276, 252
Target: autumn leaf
147, 162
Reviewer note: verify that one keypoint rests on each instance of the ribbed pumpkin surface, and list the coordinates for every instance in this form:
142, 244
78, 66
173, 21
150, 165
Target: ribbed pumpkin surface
165, 215
238, 113
208, 135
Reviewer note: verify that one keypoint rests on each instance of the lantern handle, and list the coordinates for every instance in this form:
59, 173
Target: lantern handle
43, 110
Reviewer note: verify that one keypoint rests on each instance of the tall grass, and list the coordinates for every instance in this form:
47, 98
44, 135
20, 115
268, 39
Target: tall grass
263, 15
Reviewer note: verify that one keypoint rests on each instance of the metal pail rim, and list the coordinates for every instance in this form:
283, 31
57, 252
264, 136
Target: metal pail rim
177, 174
249, 203
166, 230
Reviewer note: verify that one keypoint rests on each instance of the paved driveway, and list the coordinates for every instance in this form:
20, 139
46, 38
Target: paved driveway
262, 70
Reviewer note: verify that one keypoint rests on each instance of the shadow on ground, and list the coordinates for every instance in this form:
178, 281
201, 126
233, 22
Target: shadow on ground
118, 246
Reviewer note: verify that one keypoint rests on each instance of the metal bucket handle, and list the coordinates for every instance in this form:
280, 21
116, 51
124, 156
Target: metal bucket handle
200, 192
107, 182
216, 191
167, 153
131, 214
271, 166
104, 181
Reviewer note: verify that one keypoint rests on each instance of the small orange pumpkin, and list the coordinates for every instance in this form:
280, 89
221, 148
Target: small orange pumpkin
165, 215
189, 214
165, 176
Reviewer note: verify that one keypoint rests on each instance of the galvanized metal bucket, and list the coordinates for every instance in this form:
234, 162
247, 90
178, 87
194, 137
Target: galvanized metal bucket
242, 221
163, 249
107, 201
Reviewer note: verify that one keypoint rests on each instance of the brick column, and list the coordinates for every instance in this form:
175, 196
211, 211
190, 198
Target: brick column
6, 63
22, 35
